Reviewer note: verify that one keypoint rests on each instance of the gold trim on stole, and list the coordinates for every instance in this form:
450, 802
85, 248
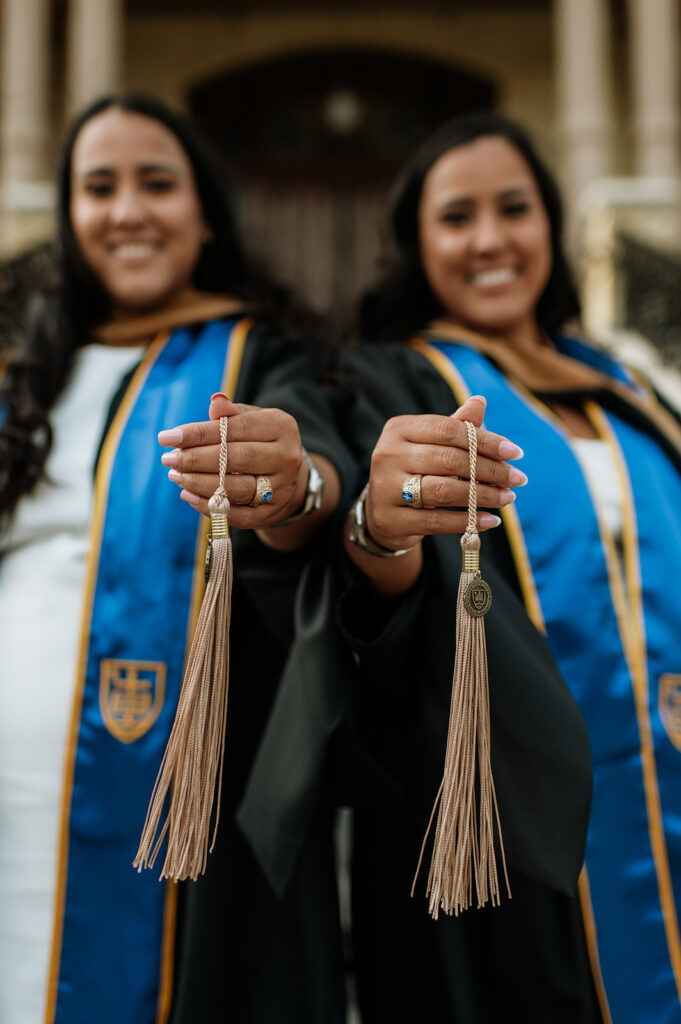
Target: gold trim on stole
101, 488
584, 888
591, 934
634, 644
167, 975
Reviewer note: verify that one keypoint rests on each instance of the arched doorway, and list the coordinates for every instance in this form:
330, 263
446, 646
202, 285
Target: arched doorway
316, 139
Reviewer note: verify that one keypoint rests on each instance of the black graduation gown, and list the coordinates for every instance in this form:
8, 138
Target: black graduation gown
525, 961
244, 952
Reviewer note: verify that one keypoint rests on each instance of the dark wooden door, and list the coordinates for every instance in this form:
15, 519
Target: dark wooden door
315, 140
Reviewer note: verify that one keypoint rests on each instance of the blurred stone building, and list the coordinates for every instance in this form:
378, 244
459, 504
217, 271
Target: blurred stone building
315, 104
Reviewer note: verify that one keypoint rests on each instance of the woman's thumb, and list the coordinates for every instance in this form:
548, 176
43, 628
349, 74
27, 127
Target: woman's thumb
473, 410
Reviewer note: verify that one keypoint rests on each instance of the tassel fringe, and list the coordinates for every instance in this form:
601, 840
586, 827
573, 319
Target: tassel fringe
464, 849
194, 756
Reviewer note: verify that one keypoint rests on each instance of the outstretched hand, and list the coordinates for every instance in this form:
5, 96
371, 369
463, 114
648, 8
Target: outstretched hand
262, 442
436, 448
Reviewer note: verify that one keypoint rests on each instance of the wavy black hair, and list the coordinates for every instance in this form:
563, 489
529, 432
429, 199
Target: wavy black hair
73, 301
403, 300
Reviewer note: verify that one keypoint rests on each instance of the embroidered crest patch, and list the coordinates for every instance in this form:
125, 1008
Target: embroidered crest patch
669, 703
131, 695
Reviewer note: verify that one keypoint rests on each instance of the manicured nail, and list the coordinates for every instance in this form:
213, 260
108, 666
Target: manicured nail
174, 476
506, 497
191, 499
508, 450
480, 398
516, 477
170, 437
219, 394
487, 520
169, 458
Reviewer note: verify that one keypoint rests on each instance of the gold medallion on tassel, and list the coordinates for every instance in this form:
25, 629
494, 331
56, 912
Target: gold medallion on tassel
477, 599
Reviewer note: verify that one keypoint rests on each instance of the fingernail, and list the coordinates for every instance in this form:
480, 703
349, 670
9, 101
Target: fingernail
516, 477
506, 497
480, 398
508, 450
169, 458
489, 520
191, 499
174, 476
168, 437
219, 394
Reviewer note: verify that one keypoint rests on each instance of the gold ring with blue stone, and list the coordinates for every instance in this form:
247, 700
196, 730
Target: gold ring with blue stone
263, 491
411, 491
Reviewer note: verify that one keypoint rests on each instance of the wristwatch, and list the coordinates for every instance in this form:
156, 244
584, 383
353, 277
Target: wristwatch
313, 494
358, 535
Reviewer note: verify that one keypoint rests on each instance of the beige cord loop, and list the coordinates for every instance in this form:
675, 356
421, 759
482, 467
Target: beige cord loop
219, 501
472, 526
224, 424
470, 541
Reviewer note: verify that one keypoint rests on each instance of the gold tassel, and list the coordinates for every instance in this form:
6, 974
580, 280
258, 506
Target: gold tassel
463, 848
194, 756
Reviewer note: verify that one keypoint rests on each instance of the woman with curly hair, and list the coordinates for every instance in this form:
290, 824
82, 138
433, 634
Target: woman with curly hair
155, 307
578, 489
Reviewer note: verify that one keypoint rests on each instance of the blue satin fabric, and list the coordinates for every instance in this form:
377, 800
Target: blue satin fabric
114, 917
567, 559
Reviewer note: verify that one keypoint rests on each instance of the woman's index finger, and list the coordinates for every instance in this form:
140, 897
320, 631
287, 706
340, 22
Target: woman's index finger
245, 424
445, 430
253, 424
191, 435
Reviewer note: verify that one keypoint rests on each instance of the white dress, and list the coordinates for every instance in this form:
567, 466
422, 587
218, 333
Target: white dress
42, 576
595, 458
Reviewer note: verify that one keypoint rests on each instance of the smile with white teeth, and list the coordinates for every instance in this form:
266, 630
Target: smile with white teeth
491, 278
133, 250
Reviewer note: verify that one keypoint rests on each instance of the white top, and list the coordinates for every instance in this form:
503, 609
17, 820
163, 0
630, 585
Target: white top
42, 576
598, 464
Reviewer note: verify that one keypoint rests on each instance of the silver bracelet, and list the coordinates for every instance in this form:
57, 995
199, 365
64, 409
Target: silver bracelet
314, 493
358, 535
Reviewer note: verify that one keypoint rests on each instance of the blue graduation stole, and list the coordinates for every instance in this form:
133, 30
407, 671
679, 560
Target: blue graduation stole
615, 631
112, 951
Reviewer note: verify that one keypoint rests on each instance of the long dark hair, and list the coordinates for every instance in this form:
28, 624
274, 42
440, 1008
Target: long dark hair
73, 301
403, 300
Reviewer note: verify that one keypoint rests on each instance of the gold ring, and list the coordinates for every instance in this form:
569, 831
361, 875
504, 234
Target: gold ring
411, 491
263, 491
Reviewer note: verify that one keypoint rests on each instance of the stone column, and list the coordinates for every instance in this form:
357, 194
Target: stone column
654, 43
584, 115
25, 122
95, 47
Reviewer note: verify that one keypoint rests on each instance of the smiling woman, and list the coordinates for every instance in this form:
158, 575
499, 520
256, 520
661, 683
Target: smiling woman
465, 325
156, 308
135, 211
485, 238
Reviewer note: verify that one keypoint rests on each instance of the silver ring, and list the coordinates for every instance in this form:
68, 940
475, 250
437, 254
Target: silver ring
263, 491
411, 491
